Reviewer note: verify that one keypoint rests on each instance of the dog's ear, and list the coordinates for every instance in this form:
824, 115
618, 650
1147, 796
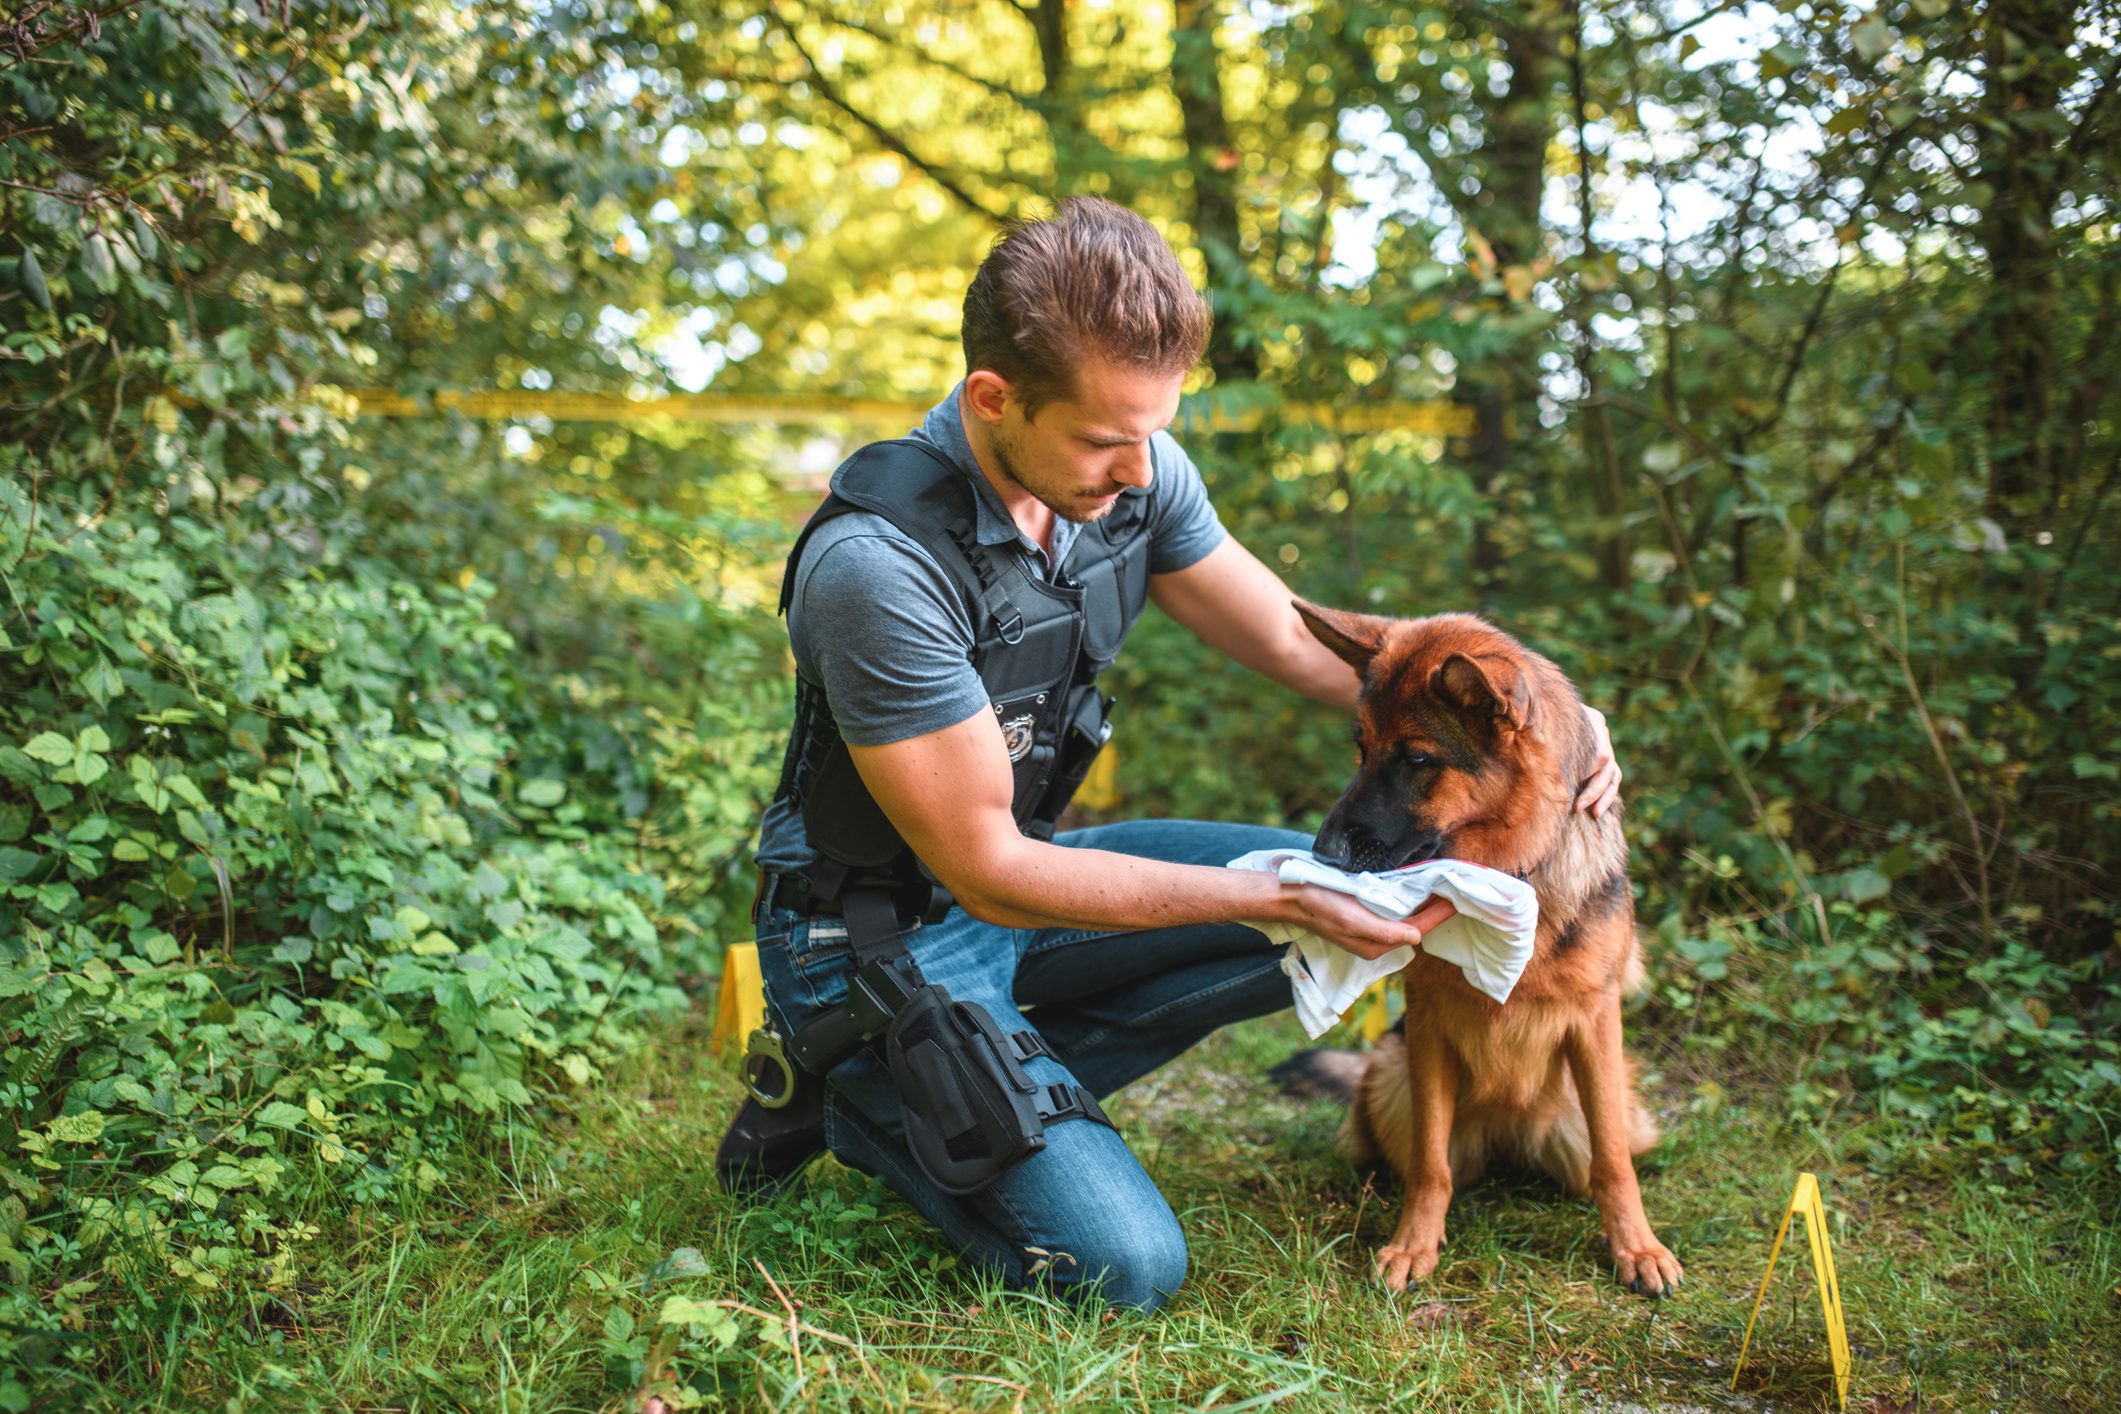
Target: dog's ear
1355, 638
1494, 687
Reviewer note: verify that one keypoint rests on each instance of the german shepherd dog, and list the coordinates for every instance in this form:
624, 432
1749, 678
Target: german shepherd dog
1470, 746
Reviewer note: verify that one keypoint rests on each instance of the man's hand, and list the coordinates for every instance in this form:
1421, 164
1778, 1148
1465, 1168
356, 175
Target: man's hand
1603, 787
1348, 924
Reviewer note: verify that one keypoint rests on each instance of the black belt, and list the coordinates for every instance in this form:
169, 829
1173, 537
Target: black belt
796, 894
791, 892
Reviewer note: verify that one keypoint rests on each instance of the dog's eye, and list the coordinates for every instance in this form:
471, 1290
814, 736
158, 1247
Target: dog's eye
1415, 761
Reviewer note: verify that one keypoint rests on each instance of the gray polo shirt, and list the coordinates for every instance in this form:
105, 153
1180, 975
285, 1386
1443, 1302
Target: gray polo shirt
878, 623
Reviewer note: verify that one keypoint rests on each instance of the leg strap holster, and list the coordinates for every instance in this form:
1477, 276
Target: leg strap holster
971, 1112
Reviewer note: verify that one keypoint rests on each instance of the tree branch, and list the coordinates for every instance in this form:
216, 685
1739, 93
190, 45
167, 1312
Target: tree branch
999, 90
889, 140
1674, 31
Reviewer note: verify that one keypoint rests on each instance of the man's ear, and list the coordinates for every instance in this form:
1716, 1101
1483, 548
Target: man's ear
1354, 638
1492, 687
986, 395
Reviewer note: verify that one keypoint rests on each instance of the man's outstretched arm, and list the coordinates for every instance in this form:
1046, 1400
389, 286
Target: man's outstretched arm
948, 793
1235, 604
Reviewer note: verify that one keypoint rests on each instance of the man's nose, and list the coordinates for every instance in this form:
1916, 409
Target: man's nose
1134, 467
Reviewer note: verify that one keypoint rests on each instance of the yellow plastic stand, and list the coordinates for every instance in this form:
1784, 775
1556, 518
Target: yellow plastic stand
1806, 1200
1100, 788
741, 1008
1376, 1017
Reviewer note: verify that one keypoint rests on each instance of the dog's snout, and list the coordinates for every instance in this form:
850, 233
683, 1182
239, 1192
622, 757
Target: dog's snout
1356, 850
1332, 845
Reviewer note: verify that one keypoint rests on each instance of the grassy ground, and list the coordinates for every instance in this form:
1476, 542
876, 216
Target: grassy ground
538, 1285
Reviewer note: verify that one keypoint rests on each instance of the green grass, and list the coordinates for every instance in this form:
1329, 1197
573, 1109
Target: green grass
534, 1279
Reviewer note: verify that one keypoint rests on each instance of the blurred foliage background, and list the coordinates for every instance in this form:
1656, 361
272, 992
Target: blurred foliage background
365, 781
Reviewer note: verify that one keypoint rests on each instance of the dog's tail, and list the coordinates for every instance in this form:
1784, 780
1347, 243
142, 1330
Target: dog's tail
1327, 1074
1321, 1074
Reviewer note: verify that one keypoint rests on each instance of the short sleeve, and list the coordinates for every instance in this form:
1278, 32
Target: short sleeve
878, 624
1183, 526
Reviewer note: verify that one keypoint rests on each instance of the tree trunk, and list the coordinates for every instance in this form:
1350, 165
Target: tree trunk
1512, 168
1607, 492
1196, 78
1049, 28
2027, 63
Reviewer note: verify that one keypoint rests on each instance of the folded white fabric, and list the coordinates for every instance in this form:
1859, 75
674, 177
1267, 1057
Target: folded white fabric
1489, 938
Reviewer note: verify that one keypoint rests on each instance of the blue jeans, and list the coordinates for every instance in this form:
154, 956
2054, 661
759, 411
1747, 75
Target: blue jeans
1081, 1214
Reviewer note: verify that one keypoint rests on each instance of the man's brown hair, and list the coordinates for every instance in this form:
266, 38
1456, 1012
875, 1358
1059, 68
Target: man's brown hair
1091, 279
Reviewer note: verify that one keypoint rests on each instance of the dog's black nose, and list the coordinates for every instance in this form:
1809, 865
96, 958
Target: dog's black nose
1332, 846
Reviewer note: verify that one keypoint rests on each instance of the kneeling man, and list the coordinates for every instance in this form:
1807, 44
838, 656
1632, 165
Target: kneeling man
950, 606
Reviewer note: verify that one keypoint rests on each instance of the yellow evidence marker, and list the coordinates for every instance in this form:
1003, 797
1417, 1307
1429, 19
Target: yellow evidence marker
741, 1007
1806, 1200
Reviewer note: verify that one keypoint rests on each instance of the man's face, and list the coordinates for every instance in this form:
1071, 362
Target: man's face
1080, 453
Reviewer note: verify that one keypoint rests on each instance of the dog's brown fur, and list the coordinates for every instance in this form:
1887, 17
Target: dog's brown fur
1542, 1080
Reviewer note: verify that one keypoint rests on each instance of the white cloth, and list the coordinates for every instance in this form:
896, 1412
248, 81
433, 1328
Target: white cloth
1489, 938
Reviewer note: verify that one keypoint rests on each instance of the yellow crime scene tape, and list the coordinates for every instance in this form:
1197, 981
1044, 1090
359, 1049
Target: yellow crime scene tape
1436, 418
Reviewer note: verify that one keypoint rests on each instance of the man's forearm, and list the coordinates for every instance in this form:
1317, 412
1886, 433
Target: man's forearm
1030, 884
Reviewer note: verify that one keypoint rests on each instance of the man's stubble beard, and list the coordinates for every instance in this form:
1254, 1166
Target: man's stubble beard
1066, 510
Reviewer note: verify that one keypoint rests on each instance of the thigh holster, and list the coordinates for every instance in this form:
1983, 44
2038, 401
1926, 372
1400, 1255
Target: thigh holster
970, 1110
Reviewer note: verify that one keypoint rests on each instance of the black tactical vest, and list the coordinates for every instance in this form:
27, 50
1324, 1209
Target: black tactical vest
1038, 648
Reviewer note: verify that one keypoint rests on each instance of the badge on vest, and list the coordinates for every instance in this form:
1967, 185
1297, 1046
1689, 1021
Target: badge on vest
1017, 735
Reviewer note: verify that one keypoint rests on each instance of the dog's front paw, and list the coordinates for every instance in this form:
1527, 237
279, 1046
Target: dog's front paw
1647, 1267
1399, 1265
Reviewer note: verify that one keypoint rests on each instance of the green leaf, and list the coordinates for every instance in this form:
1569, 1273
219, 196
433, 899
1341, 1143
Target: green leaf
93, 738
1872, 37
130, 851
486, 881
32, 277
49, 747
690, 1311
1781, 61
1865, 885
83, 1128
99, 264
281, 1115
1848, 120
546, 792
678, 1262
102, 682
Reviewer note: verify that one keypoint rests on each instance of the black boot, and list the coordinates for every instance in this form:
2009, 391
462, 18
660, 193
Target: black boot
766, 1150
